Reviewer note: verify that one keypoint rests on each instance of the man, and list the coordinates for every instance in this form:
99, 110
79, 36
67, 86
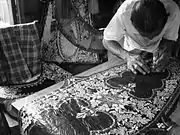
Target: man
141, 26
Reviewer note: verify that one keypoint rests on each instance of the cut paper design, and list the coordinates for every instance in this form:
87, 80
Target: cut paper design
105, 103
144, 85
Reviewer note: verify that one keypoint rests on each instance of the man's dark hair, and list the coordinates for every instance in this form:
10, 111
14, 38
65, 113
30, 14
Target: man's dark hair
148, 15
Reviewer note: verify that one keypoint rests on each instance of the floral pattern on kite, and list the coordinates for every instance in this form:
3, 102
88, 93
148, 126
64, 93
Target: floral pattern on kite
140, 86
98, 105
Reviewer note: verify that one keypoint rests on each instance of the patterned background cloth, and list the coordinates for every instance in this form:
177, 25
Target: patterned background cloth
51, 74
56, 46
20, 53
22, 70
111, 102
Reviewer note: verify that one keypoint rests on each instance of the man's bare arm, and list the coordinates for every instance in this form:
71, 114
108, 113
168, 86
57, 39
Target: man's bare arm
134, 62
115, 48
161, 57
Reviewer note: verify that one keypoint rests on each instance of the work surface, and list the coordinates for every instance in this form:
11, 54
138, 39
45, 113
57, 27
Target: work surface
21, 102
107, 99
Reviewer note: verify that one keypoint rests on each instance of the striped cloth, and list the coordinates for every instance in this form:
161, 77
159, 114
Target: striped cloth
19, 53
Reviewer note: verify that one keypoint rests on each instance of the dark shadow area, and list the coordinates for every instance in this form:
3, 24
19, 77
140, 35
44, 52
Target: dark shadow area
106, 11
76, 68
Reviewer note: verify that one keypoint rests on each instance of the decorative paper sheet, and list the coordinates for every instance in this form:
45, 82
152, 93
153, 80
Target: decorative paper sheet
111, 102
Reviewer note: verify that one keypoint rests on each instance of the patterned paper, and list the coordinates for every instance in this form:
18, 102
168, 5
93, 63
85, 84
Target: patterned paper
111, 102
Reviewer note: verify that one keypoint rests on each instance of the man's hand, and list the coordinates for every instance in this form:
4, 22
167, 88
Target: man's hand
136, 64
162, 56
160, 60
174, 131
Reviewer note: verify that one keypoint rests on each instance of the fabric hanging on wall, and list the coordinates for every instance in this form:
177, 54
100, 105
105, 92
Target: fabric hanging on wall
93, 6
49, 37
56, 47
20, 50
51, 74
6, 12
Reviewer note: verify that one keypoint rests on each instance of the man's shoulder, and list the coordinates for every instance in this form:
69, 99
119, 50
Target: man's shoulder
171, 7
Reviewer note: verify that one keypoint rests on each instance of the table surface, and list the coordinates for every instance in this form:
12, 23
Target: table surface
18, 104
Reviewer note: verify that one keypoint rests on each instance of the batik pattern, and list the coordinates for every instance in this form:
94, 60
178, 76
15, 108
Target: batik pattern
98, 105
59, 47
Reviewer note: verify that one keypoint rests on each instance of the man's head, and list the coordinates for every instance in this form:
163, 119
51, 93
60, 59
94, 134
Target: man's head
149, 17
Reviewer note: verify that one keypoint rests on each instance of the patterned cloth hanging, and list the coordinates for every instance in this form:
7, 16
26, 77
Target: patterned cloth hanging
20, 53
56, 46
22, 71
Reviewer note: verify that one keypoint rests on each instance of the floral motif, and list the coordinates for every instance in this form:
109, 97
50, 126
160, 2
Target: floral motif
144, 85
131, 115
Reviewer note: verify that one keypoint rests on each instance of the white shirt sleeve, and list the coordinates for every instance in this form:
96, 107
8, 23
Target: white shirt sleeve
173, 25
115, 28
